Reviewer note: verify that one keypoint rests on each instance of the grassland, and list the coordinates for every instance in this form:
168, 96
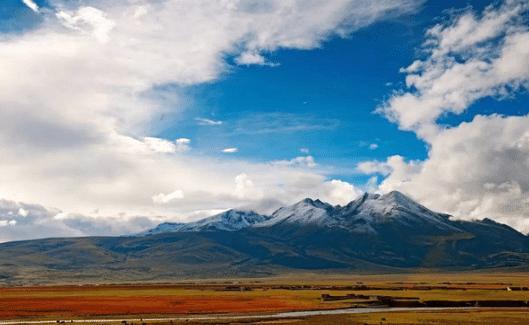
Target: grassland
257, 296
468, 317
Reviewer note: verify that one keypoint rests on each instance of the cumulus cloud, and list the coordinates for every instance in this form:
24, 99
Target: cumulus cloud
245, 188
264, 197
468, 57
375, 167
23, 212
248, 192
105, 76
88, 20
249, 58
339, 192
5, 223
476, 169
392, 164
159, 145
182, 144
165, 146
373, 146
166, 198
38, 222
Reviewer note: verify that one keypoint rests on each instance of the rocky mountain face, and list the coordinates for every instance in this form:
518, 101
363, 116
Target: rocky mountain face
370, 234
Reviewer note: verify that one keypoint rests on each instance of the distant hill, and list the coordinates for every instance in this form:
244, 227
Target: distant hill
374, 233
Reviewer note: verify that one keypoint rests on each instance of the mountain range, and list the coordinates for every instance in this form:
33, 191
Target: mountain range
374, 233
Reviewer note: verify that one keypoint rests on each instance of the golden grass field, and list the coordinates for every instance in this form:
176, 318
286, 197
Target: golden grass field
287, 293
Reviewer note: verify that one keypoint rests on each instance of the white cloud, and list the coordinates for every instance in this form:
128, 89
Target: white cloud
391, 165
469, 57
248, 193
245, 188
159, 145
5, 223
207, 121
264, 197
23, 212
40, 222
372, 185
77, 134
375, 167
339, 192
166, 198
31, 5
230, 150
182, 144
301, 161
373, 146
280, 122
304, 150
249, 58
166, 146
88, 20
476, 169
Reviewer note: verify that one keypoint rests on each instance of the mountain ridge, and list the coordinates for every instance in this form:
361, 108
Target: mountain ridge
374, 233
230, 220
363, 210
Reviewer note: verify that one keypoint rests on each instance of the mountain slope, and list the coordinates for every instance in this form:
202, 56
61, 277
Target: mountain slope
372, 233
393, 215
231, 220
370, 212
304, 212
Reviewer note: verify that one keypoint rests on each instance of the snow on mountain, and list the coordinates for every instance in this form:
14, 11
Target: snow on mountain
231, 220
363, 215
372, 209
163, 228
366, 214
306, 211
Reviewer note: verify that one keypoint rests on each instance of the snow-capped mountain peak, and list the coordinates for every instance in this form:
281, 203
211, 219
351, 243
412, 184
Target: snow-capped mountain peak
306, 211
393, 207
396, 198
367, 214
163, 228
231, 220
307, 204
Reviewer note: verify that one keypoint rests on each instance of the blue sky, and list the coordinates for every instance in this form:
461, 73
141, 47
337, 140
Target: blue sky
177, 109
327, 95
336, 87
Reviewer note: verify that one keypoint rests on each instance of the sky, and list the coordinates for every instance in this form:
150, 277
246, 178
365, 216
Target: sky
115, 116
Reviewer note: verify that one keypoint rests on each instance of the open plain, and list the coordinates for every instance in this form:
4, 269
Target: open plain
432, 298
